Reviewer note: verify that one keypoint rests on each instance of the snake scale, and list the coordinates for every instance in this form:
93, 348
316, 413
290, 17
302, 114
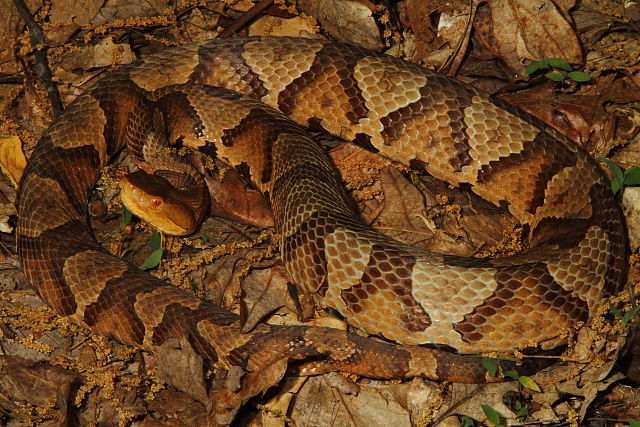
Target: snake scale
394, 108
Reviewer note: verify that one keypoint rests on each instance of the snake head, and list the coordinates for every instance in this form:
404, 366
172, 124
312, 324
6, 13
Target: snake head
153, 199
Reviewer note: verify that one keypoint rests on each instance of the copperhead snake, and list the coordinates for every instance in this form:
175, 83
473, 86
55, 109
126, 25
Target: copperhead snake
397, 109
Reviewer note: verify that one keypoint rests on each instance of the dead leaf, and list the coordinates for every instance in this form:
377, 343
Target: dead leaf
180, 366
103, 54
435, 45
125, 9
275, 26
235, 200
526, 30
12, 160
68, 16
265, 291
404, 209
346, 20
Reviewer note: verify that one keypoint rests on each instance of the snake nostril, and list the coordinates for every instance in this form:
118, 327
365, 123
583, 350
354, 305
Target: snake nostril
156, 203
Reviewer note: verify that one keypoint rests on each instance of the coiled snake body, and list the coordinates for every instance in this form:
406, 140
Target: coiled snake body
399, 110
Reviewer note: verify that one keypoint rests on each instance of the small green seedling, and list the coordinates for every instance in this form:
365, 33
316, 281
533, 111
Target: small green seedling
491, 366
557, 70
467, 421
491, 414
521, 411
524, 380
624, 317
621, 178
153, 260
125, 218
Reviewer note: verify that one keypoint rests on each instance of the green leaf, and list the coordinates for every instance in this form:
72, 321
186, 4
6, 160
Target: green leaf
616, 185
512, 374
527, 382
556, 77
615, 311
490, 365
536, 66
628, 316
467, 421
558, 63
152, 260
632, 176
618, 175
491, 414
156, 241
579, 76
125, 217
617, 172
522, 411
203, 237
634, 423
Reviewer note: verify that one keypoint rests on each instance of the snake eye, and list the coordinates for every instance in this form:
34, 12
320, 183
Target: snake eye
156, 203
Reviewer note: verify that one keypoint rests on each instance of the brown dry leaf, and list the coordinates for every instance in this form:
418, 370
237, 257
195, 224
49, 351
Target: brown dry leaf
594, 19
34, 382
329, 406
103, 54
597, 121
346, 20
11, 25
233, 199
12, 160
404, 209
435, 45
526, 30
170, 407
180, 366
68, 16
275, 26
265, 291
623, 403
125, 9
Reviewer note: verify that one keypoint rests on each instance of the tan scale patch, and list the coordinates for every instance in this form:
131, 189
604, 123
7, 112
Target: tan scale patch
218, 116
150, 307
385, 88
582, 269
224, 339
565, 199
492, 134
87, 274
279, 63
87, 127
49, 209
333, 342
447, 294
170, 67
347, 257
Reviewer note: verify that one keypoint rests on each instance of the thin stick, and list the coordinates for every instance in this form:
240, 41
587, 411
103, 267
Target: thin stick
41, 65
249, 15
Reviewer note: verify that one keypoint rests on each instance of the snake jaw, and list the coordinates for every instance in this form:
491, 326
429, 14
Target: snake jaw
146, 197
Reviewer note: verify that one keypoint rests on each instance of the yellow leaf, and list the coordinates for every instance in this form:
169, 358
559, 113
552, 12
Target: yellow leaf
12, 160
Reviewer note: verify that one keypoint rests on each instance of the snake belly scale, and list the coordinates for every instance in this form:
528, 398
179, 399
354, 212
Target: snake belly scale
397, 109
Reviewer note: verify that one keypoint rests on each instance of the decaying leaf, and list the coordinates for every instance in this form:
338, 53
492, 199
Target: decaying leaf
180, 366
12, 160
346, 20
522, 31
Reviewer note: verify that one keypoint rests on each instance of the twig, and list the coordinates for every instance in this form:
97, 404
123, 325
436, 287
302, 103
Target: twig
249, 15
41, 65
